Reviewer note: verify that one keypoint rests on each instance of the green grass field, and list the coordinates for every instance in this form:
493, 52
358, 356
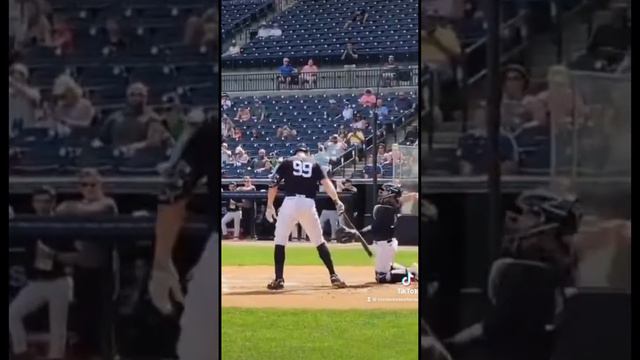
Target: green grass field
251, 255
269, 334
276, 334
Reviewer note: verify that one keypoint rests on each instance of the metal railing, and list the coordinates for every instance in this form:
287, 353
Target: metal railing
324, 79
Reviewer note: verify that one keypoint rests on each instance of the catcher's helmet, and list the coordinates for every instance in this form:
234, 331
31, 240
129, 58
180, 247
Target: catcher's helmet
391, 189
543, 208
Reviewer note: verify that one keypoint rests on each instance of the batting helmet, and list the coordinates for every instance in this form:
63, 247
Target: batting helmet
301, 147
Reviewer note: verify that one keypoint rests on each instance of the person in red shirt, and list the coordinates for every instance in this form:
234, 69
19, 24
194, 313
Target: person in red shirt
62, 35
368, 99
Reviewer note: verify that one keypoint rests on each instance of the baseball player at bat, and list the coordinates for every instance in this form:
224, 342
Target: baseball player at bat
299, 176
190, 162
385, 215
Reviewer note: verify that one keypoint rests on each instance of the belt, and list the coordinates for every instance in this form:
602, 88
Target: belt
298, 196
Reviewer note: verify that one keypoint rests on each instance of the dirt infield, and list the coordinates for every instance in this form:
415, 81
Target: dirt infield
307, 287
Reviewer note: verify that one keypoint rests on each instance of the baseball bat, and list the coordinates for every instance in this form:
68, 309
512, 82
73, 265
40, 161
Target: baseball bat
347, 222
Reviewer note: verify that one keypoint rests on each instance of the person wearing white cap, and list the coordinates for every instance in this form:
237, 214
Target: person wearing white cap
71, 109
287, 72
23, 98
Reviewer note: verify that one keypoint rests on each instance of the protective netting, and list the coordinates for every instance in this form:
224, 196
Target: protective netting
592, 133
592, 156
405, 171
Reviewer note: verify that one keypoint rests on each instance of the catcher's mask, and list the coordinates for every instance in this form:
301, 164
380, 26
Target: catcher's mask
387, 191
542, 212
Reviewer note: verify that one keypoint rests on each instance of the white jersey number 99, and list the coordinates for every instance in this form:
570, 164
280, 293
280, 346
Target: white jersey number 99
302, 168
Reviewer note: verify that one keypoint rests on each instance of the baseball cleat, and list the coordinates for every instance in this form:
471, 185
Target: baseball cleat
337, 283
414, 270
276, 284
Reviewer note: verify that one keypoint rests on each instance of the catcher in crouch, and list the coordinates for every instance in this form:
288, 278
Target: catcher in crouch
385, 215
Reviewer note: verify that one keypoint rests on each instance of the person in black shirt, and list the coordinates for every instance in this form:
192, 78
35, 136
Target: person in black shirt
349, 56
300, 175
382, 231
234, 213
49, 284
358, 17
248, 208
189, 163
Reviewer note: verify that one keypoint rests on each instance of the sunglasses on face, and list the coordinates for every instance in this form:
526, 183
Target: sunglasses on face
85, 185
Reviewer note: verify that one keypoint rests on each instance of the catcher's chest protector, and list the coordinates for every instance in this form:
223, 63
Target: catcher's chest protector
384, 219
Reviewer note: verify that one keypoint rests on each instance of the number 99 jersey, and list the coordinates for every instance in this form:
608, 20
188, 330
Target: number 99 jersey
300, 174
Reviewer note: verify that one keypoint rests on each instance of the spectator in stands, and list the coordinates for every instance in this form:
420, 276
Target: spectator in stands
62, 34
382, 111
16, 23
349, 56
275, 30
172, 115
92, 287
115, 40
356, 139
259, 111
333, 111
472, 153
193, 31
260, 160
390, 71
514, 85
244, 114
382, 150
225, 101
263, 31
237, 134
359, 122
322, 158
342, 133
255, 134
38, 27
309, 75
72, 110
248, 207
368, 99
209, 28
610, 41
48, 284
358, 17
289, 133
234, 49
335, 146
23, 99
266, 169
134, 128
369, 168
625, 65
234, 214
227, 127
347, 112
441, 48
562, 103
288, 73
403, 103
242, 158
225, 154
